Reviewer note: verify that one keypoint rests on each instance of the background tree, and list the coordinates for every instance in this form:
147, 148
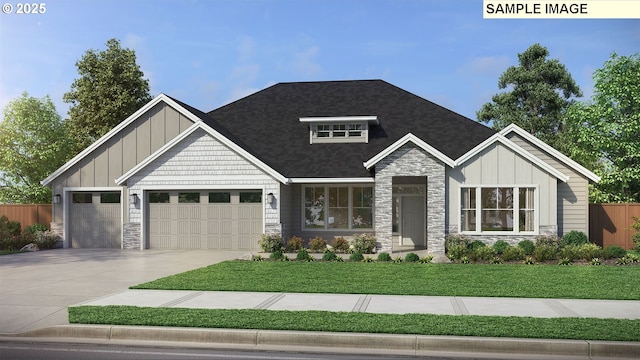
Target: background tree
605, 132
33, 143
111, 87
539, 92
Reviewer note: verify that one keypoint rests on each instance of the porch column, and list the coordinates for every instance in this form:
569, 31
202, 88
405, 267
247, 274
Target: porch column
383, 212
436, 204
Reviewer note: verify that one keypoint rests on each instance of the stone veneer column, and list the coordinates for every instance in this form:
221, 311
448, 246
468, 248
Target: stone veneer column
383, 212
131, 239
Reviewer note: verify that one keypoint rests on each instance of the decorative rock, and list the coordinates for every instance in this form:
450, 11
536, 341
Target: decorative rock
30, 247
247, 256
440, 258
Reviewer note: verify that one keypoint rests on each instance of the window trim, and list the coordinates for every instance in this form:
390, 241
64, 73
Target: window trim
516, 209
350, 206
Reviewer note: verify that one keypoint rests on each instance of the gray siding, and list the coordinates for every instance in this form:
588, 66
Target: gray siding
133, 144
573, 196
498, 165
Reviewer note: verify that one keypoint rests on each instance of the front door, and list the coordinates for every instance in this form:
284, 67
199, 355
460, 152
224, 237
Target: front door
413, 217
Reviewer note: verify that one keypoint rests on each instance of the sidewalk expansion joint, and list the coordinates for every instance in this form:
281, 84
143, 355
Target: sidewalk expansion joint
362, 304
561, 309
270, 301
458, 306
181, 299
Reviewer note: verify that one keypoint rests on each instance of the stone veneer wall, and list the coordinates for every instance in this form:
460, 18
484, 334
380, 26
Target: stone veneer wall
514, 239
410, 161
131, 239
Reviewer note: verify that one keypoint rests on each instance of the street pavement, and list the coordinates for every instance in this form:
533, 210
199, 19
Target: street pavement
37, 288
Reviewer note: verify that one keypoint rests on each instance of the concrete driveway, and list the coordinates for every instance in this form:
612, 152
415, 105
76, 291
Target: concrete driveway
36, 288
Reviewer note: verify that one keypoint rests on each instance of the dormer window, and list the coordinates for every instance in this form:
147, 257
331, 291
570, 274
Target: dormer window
344, 129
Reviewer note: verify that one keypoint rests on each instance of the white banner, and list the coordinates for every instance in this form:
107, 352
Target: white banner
585, 9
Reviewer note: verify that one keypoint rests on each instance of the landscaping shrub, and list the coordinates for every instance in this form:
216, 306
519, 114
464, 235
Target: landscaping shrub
276, 255
570, 252
455, 239
548, 240
564, 261
614, 251
412, 257
340, 244
426, 259
495, 260
35, 228
317, 244
383, 256
294, 244
476, 244
500, 246
13, 243
575, 238
303, 255
367, 259
329, 256
397, 260
590, 251
364, 243
456, 252
482, 253
9, 228
544, 252
257, 258
636, 240
270, 242
512, 253
527, 246
529, 261
596, 262
45, 239
356, 256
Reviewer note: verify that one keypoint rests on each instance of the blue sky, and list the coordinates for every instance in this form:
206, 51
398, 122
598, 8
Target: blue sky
208, 53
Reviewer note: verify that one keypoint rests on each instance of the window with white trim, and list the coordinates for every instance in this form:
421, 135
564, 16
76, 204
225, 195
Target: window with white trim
339, 132
497, 209
338, 207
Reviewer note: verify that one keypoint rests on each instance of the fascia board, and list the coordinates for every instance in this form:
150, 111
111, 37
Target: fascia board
331, 180
111, 133
551, 151
405, 139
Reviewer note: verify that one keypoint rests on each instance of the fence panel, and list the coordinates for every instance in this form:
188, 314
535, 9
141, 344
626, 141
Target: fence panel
27, 214
610, 224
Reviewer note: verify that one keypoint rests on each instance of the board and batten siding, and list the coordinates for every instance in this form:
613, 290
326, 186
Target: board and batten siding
573, 196
498, 165
123, 151
200, 162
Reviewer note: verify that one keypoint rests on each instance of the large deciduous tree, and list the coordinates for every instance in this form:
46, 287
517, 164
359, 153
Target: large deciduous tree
605, 132
538, 93
33, 143
111, 87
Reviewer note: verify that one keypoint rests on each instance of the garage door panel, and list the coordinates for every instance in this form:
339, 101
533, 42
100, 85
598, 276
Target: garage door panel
224, 224
94, 224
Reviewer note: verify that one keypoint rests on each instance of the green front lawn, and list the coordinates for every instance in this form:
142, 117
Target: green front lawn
504, 280
423, 324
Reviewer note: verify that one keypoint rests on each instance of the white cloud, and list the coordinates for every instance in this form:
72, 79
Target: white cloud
305, 64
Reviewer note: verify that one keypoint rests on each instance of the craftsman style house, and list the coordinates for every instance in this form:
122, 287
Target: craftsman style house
314, 159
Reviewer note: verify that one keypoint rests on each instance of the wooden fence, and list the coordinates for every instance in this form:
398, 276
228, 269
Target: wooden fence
610, 224
27, 215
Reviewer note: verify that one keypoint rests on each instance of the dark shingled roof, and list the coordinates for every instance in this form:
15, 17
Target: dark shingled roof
267, 124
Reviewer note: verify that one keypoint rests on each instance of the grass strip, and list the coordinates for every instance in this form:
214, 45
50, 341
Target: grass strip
422, 324
503, 280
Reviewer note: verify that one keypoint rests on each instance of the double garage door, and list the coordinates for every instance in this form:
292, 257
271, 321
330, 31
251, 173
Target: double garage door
219, 220
95, 220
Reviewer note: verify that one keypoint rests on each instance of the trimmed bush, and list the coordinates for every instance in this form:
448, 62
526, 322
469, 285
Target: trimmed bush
276, 255
548, 240
329, 256
317, 244
45, 239
340, 244
364, 243
574, 238
570, 252
500, 246
512, 253
455, 239
590, 251
9, 228
383, 256
303, 255
527, 246
544, 253
270, 242
456, 252
614, 252
356, 256
484, 253
426, 259
35, 228
294, 244
476, 244
636, 240
412, 257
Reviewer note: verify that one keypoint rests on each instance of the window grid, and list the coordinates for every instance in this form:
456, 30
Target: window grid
347, 207
497, 209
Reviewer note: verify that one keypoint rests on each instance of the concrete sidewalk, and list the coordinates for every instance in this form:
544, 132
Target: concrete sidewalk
390, 304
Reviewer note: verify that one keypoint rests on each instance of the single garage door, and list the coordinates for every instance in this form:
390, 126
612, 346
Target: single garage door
95, 219
218, 220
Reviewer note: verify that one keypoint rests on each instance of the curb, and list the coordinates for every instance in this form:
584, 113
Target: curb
361, 342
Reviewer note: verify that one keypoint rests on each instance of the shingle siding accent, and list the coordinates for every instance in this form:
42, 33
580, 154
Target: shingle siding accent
410, 161
200, 160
